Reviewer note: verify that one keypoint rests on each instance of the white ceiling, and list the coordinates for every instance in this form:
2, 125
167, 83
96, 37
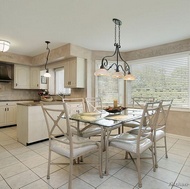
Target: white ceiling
27, 24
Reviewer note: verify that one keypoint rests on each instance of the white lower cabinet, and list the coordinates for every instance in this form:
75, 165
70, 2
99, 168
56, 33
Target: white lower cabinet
31, 125
7, 114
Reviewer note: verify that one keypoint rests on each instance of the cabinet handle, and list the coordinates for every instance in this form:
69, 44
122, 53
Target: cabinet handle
16, 84
5, 109
69, 82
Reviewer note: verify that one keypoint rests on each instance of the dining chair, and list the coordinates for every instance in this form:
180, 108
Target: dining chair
160, 128
66, 144
94, 104
138, 143
77, 105
137, 102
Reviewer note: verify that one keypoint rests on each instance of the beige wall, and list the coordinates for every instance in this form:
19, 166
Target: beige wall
179, 123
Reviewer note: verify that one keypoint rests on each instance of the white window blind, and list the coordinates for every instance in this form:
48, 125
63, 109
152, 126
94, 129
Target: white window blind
59, 82
162, 78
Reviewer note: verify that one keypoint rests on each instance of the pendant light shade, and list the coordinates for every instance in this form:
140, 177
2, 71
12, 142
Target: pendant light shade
4, 45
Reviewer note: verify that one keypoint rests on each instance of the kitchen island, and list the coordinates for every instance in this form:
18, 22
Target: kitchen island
31, 125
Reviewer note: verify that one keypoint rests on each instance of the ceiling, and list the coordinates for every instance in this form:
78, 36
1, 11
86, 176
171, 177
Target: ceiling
27, 24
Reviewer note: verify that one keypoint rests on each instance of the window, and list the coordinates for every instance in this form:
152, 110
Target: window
59, 82
108, 88
163, 78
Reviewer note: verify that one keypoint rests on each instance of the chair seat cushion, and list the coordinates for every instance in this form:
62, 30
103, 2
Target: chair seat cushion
132, 124
128, 142
80, 146
91, 131
160, 134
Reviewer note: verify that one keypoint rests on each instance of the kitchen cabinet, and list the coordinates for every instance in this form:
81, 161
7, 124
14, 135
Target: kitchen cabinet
30, 130
74, 70
34, 78
7, 113
21, 77
26, 77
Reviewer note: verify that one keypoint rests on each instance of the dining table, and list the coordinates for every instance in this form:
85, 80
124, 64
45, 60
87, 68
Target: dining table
107, 122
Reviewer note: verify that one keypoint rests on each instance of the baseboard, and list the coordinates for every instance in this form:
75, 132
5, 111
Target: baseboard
178, 136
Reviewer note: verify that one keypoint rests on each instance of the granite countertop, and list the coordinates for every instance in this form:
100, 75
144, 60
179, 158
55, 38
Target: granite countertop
16, 100
37, 103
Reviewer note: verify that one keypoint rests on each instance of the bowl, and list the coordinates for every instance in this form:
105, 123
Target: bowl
46, 98
115, 109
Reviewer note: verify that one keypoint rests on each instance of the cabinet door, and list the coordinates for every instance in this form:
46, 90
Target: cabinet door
2, 116
70, 74
21, 77
11, 115
34, 78
74, 73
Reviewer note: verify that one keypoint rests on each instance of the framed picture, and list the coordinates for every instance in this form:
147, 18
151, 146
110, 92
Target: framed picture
43, 80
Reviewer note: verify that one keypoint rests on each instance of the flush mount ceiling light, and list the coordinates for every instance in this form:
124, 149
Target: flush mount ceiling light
120, 71
4, 45
47, 74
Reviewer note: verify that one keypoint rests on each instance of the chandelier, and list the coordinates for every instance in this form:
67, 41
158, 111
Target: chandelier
47, 74
121, 71
4, 45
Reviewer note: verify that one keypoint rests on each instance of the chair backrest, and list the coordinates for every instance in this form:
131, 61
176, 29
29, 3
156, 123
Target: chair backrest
141, 101
53, 116
164, 112
93, 104
149, 120
53, 120
74, 105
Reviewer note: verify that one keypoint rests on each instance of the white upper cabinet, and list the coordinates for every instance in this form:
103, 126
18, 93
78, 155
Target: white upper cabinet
74, 76
26, 77
21, 77
35, 78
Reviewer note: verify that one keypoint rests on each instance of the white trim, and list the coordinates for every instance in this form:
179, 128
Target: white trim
178, 136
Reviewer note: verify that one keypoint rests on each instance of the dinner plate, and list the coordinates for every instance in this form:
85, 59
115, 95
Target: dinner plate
91, 114
90, 118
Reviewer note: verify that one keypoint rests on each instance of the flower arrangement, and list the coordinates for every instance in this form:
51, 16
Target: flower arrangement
43, 93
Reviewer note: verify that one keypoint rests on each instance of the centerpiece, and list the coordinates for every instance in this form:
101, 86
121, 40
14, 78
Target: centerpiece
44, 95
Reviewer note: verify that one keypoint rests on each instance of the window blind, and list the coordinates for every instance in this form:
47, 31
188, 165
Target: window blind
162, 78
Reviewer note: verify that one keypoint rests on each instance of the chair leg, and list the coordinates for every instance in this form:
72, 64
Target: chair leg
166, 151
100, 162
154, 159
126, 155
49, 161
155, 155
70, 173
139, 171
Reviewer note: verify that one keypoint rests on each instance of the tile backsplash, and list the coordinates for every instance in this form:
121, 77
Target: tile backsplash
8, 93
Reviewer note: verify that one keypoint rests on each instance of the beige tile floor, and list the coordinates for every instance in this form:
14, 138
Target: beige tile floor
25, 167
